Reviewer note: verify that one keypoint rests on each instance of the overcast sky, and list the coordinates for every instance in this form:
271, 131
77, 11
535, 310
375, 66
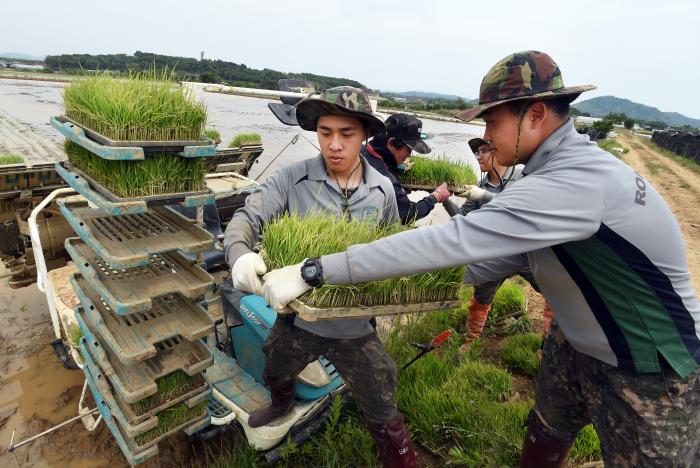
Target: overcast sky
646, 51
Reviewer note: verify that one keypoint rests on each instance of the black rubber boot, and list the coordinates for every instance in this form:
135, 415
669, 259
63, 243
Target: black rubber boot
540, 449
282, 396
394, 443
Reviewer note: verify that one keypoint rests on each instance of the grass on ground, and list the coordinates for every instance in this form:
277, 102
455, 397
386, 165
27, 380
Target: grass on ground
243, 139
290, 239
685, 162
518, 353
609, 144
433, 172
10, 159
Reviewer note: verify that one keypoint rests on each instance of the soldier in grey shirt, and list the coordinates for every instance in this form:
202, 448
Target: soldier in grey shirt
624, 351
337, 182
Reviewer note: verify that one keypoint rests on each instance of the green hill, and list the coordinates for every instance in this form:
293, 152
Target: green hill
211, 71
603, 105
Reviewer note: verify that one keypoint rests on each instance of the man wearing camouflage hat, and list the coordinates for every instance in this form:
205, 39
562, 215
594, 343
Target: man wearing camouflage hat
337, 182
387, 153
624, 350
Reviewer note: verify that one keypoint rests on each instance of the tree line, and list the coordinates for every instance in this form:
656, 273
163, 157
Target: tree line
186, 68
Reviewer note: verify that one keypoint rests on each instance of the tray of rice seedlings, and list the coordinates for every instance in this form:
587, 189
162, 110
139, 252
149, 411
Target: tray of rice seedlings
130, 290
128, 241
135, 447
173, 375
213, 135
147, 111
428, 173
246, 139
159, 180
135, 338
290, 239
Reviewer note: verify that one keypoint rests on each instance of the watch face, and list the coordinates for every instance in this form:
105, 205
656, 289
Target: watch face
309, 271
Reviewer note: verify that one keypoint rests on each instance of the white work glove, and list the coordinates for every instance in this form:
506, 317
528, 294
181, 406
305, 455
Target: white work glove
282, 286
473, 193
246, 272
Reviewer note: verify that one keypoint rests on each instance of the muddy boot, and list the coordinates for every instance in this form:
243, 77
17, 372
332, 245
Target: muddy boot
476, 320
540, 449
282, 397
394, 443
547, 314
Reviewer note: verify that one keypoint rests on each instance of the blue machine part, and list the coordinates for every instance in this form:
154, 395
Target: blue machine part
248, 339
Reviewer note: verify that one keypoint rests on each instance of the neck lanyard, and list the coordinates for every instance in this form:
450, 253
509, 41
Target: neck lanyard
344, 191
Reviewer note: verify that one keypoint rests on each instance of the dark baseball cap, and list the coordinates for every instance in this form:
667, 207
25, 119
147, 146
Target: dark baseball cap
407, 128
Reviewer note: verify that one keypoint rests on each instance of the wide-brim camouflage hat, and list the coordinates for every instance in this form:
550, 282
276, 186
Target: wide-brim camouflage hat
474, 144
523, 75
342, 100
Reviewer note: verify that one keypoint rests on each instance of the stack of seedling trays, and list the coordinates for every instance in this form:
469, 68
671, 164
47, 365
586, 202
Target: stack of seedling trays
139, 279
291, 239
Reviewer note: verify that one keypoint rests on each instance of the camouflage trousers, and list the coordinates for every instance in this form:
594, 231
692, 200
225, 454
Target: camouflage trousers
485, 292
641, 419
364, 364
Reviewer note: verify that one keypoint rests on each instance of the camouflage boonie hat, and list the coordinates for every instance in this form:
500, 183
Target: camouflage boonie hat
523, 75
342, 100
474, 144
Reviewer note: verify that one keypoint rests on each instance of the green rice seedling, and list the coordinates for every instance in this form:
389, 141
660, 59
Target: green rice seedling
170, 386
213, 134
518, 353
509, 298
156, 175
586, 447
290, 239
148, 106
243, 139
171, 418
10, 159
434, 171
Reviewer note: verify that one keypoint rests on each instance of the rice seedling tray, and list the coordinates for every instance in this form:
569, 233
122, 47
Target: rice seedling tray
135, 382
110, 203
138, 448
233, 159
127, 291
127, 241
430, 188
135, 338
121, 150
311, 313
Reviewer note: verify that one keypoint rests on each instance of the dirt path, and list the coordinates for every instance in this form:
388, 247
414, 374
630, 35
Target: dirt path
678, 185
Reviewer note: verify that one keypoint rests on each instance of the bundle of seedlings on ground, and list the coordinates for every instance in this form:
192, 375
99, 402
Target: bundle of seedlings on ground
509, 299
245, 139
518, 353
433, 172
170, 387
148, 106
156, 175
10, 159
291, 239
171, 418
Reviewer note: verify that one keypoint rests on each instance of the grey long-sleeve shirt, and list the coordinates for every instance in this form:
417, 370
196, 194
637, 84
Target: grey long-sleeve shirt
601, 242
304, 187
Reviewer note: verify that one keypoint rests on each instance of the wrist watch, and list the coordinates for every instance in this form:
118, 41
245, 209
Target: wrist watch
312, 273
